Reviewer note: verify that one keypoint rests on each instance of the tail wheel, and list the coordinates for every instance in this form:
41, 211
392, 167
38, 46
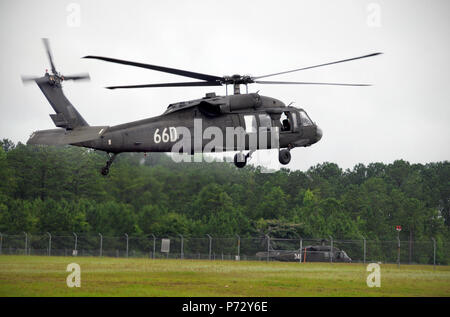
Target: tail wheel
284, 156
240, 160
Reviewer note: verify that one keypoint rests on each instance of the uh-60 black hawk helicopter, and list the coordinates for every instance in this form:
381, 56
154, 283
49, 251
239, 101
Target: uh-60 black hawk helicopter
257, 117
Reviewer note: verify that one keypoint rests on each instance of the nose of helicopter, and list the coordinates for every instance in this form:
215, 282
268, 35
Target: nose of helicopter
319, 134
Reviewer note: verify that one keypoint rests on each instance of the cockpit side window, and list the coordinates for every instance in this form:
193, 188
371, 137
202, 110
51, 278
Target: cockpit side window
289, 121
285, 122
304, 119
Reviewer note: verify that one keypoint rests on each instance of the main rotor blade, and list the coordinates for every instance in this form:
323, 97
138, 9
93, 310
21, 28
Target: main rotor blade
83, 76
186, 84
160, 68
305, 83
49, 53
309, 67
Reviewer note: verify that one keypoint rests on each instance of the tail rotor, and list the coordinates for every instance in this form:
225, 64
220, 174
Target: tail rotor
54, 77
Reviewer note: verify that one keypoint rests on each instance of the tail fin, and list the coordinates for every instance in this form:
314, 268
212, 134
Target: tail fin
66, 116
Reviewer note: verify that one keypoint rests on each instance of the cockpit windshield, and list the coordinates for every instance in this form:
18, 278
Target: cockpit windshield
304, 119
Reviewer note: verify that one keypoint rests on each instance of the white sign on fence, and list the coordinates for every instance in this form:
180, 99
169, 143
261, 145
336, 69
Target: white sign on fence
165, 245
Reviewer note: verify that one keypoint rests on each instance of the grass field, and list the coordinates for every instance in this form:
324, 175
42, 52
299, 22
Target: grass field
46, 276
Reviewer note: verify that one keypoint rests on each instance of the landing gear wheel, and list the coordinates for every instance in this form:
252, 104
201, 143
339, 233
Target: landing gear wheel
284, 156
240, 160
105, 169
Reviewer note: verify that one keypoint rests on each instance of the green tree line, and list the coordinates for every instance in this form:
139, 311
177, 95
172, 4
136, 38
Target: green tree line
60, 190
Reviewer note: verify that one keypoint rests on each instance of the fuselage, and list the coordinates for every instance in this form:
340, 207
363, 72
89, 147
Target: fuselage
214, 124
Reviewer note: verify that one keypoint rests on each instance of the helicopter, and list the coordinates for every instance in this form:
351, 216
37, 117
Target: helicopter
310, 253
239, 122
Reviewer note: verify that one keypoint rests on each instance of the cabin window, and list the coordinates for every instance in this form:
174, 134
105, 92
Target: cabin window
250, 124
265, 121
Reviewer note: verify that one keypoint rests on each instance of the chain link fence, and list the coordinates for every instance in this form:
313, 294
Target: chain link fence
263, 248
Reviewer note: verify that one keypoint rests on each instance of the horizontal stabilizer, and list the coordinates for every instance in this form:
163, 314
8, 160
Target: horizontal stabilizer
62, 136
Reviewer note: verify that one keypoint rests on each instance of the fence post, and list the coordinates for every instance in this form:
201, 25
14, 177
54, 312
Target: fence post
49, 244
30, 239
181, 251
126, 235
331, 250
300, 252
26, 242
101, 243
1, 242
154, 245
364, 256
398, 249
239, 247
76, 240
268, 247
434, 253
410, 248
210, 242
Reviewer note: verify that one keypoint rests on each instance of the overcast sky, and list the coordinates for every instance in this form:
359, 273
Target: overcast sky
405, 115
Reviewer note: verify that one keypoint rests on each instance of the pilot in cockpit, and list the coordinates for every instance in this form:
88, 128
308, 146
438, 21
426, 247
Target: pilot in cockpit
286, 124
